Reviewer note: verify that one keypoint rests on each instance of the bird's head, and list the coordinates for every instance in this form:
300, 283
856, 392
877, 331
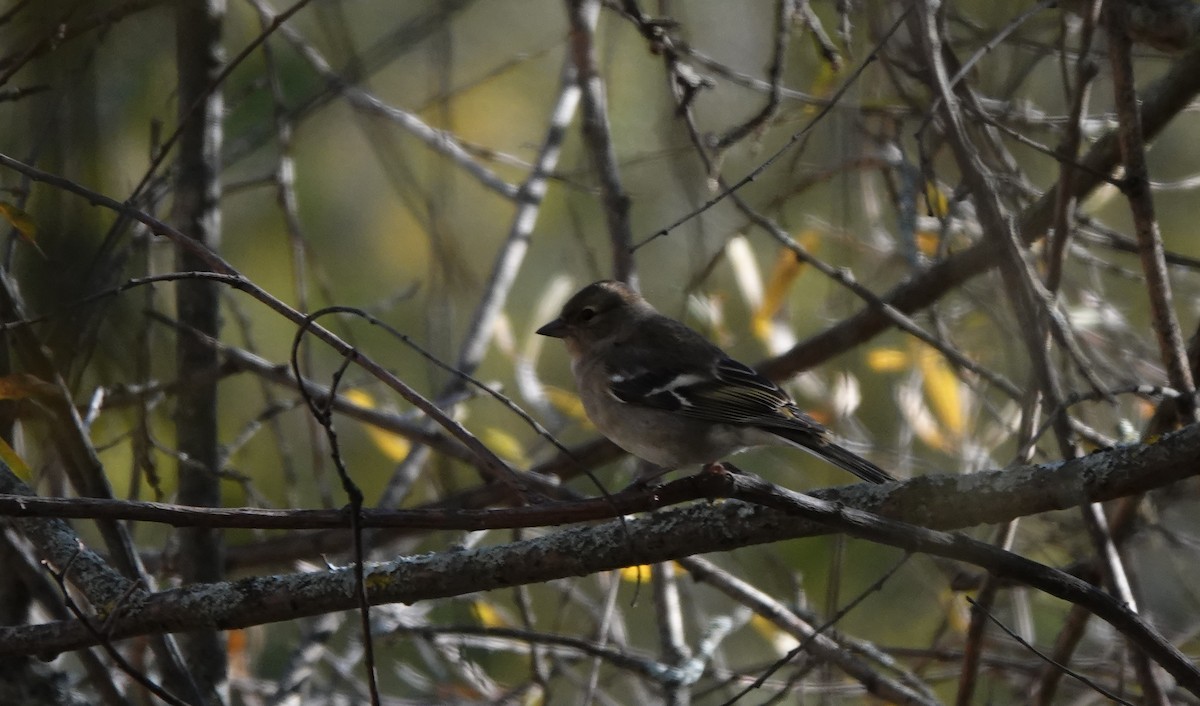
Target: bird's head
597, 312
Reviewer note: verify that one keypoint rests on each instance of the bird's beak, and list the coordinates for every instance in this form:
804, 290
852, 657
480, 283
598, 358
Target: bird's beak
554, 329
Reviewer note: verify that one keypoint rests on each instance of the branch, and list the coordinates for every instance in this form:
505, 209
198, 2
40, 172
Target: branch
1136, 187
1161, 102
597, 136
940, 502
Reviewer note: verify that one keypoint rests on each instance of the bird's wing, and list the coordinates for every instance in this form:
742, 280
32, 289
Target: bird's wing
716, 388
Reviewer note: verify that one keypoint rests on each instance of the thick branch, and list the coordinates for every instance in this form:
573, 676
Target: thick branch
942, 502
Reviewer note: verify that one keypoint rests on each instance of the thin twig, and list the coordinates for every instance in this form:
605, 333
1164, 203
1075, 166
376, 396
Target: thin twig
796, 137
1041, 655
597, 136
1141, 204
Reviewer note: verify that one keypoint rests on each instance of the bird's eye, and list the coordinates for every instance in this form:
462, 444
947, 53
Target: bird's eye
587, 314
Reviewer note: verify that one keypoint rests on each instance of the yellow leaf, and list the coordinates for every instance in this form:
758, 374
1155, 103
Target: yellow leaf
393, 446
942, 389
237, 647
641, 572
764, 627
927, 242
634, 574
15, 462
936, 201
826, 79
23, 222
362, 398
911, 403
568, 403
888, 360
780, 640
487, 615
958, 611
787, 268
505, 445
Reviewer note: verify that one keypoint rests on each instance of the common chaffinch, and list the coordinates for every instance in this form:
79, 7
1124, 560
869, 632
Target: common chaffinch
665, 394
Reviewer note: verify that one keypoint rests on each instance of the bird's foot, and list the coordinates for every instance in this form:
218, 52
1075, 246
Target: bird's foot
723, 467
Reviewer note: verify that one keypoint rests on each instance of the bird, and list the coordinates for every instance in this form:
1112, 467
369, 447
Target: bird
666, 394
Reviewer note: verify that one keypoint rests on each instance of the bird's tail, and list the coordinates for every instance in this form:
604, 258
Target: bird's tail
821, 447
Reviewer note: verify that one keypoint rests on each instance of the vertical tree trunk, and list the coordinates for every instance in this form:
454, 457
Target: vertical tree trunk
197, 212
